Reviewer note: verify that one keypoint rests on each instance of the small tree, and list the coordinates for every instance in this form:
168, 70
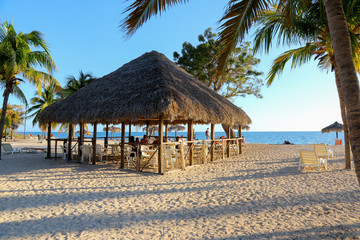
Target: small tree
239, 77
13, 118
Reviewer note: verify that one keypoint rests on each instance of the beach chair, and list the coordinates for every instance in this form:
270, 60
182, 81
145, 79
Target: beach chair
6, 148
100, 151
130, 155
322, 152
85, 153
309, 159
168, 156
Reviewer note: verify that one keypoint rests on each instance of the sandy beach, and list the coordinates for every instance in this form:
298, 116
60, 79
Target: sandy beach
259, 195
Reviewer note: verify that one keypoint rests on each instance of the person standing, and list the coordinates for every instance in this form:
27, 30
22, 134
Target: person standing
207, 134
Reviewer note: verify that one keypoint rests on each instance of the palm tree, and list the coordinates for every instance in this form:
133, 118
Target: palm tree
310, 27
18, 62
49, 95
74, 84
239, 17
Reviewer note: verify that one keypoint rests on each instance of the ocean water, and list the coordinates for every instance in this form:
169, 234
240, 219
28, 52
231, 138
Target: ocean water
250, 137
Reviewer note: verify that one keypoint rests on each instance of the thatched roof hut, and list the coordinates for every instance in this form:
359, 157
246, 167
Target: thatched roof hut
141, 91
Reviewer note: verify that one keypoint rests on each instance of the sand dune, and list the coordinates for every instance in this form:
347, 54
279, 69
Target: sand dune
258, 195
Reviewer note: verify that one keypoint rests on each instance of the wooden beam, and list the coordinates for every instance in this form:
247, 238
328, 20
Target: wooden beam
81, 131
70, 142
240, 141
94, 143
190, 138
166, 131
182, 160
204, 152
129, 130
212, 142
48, 154
160, 149
228, 143
122, 162
106, 140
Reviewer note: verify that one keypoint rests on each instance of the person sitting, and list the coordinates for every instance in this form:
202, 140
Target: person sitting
144, 140
287, 142
182, 139
156, 141
133, 146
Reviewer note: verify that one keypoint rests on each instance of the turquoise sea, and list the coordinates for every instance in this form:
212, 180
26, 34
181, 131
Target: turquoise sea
251, 137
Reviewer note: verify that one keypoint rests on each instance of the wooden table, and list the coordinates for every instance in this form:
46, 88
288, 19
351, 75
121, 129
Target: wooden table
114, 148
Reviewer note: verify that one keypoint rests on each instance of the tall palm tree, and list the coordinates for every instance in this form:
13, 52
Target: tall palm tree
18, 62
73, 84
49, 95
239, 17
311, 29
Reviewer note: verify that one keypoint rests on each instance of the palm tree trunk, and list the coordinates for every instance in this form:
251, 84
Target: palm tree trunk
349, 82
226, 129
3, 113
345, 124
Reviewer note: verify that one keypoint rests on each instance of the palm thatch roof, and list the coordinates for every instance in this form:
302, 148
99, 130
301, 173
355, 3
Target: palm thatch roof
335, 127
140, 92
177, 128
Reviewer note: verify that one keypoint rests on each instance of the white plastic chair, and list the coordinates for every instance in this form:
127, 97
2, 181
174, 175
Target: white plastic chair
100, 151
129, 158
64, 151
86, 152
168, 156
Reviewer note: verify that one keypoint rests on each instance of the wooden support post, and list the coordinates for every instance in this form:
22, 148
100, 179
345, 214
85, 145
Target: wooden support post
147, 128
240, 140
223, 148
166, 132
94, 144
228, 143
106, 140
56, 149
190, 138
212, 142
161, 140
48, 154
70, 141
80, 139
122, 162
182, 160
138, 157
129, 130
204, 152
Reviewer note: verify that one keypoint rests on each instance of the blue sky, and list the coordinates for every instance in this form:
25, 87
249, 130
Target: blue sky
84, 35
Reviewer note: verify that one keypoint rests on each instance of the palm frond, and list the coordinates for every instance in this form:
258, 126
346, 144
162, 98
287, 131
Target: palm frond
19, 94
237, 20
299, 56
140, 11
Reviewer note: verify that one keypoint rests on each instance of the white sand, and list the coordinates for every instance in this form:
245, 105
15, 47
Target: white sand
256, 196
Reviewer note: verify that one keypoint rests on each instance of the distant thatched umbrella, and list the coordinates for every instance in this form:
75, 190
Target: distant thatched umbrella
87, 133
151, 129
141, 91
243, 127
176, 129
113, 129
335, 127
